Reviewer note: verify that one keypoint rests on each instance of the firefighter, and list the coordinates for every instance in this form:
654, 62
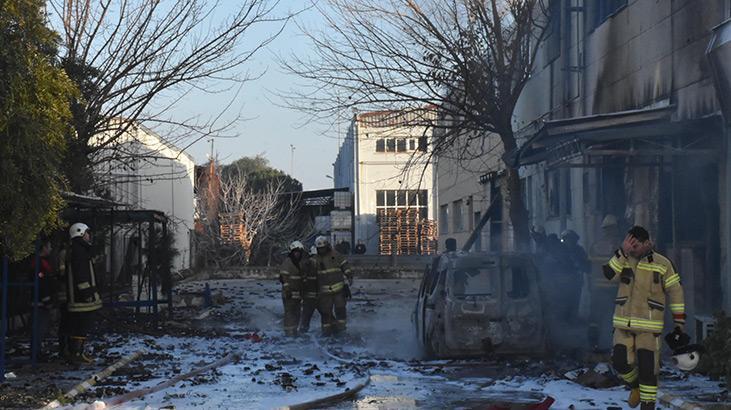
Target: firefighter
309, 292
645, 279
82, 296
577, 265
332, 272
290, 276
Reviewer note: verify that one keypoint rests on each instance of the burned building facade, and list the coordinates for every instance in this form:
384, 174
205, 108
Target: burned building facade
623, 117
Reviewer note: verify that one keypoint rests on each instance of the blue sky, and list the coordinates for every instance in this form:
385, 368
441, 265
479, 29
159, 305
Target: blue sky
270, 129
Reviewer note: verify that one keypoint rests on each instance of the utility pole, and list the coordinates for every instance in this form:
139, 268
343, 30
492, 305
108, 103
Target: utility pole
291, 160
211, 155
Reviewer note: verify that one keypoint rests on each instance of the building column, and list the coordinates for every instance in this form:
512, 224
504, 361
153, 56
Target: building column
725, 218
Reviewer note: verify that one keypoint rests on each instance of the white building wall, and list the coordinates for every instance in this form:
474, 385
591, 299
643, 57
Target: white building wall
162, 181
458, 185
364, 170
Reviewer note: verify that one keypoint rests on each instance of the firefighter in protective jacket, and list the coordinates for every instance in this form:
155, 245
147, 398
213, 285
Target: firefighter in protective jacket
645, 278
332, 272
290, 275
309, 293
81, 292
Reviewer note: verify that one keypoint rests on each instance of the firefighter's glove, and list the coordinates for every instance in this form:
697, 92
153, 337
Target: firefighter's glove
350, 280
677, 339
348, 295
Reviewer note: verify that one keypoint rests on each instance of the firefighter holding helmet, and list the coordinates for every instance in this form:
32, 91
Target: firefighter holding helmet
648, 284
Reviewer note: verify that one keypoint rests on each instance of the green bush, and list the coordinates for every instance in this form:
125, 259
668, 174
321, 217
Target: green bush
716, 362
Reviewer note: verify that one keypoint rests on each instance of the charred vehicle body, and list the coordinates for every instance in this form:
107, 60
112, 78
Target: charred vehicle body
474, 304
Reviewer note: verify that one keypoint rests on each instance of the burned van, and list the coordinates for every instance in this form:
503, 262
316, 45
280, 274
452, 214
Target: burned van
474, 304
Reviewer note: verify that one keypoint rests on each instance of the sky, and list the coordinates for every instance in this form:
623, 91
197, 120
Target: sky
270, 129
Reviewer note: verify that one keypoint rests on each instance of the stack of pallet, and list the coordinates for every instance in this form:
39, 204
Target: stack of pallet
429, 237
402, 232
233, 230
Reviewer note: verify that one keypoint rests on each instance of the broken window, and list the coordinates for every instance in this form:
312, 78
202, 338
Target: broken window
474, 282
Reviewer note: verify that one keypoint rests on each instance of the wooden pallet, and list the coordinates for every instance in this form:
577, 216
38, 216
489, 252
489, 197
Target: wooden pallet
402, 232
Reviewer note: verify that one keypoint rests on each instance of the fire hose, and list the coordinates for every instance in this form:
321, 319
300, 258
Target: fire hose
347, 394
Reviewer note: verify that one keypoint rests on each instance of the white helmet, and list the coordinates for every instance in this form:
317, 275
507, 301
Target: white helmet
313, 251
687, 358
321, 242
78, 230
296, 245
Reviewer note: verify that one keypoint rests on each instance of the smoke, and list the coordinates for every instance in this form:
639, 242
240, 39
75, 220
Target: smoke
380, 314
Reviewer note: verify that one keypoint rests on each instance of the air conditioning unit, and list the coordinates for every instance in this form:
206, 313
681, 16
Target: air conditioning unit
704, 326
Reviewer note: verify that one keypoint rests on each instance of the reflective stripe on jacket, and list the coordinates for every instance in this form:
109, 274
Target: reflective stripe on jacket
332, 269
81, 291
292, 277
643, 287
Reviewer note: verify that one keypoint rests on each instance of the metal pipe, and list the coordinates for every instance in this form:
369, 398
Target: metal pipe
34, 339
3, 316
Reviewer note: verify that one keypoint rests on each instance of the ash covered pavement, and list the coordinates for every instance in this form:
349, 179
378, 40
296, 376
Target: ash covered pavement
275, 371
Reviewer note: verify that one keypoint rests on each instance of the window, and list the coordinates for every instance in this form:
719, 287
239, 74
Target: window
601, 10
478, 240
391, 145
558, 183
553, 32
552, 189
422, 144
392, 199
400, 144
457, 220
474, 282
380, 145
444, 219
517, 282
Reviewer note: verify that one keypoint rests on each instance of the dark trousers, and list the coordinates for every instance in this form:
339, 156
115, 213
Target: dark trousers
292, 312
75, 324
333, 311
309, 306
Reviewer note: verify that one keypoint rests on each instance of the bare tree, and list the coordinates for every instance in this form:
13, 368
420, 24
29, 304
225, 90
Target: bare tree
135, 60
246, 219
469, 58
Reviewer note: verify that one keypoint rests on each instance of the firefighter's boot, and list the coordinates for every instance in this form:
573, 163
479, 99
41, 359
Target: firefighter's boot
634, 398
78, 355
648, 405
63, 347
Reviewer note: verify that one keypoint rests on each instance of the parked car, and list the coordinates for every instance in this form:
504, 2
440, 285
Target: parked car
474, 304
